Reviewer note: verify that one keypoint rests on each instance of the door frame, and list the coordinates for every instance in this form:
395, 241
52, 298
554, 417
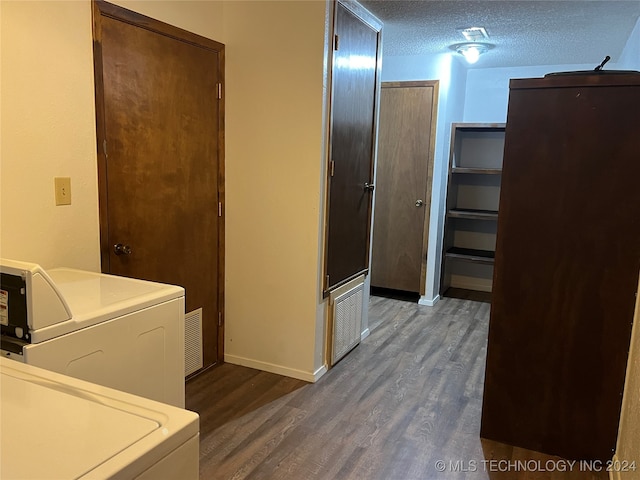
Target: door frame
375, 24
428, 194
99, 9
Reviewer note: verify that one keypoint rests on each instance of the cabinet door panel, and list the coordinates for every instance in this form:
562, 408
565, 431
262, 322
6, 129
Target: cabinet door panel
352, 135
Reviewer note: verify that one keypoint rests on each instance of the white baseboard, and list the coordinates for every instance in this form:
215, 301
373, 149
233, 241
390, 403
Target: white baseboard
319, 373
365, 334
278, 369
429, 302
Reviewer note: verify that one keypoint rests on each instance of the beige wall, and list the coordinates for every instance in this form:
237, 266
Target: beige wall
275, 53
274, 158
48, 130
628, 448
202, 17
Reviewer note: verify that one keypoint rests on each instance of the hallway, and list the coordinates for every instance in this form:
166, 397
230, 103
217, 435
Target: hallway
405, 404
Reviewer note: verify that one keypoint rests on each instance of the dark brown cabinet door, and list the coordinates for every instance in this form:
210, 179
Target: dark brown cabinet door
566, 267
352, 143
159, 118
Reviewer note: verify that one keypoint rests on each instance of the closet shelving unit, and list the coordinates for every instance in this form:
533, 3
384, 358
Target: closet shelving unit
473, 194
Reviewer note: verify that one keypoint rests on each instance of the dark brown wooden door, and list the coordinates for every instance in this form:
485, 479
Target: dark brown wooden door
159, 118
403, 186
566, 266
352, 136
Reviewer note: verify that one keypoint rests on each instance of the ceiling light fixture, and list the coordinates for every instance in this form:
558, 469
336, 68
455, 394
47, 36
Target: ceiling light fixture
471, 51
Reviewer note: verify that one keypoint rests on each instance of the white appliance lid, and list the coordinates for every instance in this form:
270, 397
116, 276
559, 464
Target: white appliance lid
90, 293
55, 426
96, 297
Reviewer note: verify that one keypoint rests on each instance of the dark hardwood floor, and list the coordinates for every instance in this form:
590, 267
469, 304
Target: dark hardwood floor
405, 404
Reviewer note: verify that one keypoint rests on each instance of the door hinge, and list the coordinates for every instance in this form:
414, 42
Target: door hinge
219, 90
332, 168
336, 41
219, 209
104, 148
327, 281
219, 319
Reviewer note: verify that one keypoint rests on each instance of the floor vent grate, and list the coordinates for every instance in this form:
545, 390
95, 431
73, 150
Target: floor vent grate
193, 342
347, 322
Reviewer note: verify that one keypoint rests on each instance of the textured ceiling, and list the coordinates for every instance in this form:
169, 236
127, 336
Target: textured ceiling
524, 32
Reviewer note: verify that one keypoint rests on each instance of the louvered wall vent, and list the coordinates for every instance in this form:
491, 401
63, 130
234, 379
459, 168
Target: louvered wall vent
347, 322
474, 34
193, 342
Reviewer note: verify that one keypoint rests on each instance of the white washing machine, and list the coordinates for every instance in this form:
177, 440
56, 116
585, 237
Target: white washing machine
58, 427
118, 332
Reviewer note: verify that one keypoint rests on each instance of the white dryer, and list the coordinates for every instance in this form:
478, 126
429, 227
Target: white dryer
58, 427
118, 332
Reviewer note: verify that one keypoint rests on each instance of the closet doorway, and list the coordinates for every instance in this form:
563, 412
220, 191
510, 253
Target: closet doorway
160, 132
404, 176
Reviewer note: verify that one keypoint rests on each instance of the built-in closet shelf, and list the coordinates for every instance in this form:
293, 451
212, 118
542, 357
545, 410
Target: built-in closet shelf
473, 214
473, 197
477, 171
471, 255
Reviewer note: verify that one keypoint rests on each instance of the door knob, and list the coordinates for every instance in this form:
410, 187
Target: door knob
120, 249
369, 187
419, 203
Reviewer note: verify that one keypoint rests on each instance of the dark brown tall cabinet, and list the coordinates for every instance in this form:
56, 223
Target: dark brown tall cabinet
566, 264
